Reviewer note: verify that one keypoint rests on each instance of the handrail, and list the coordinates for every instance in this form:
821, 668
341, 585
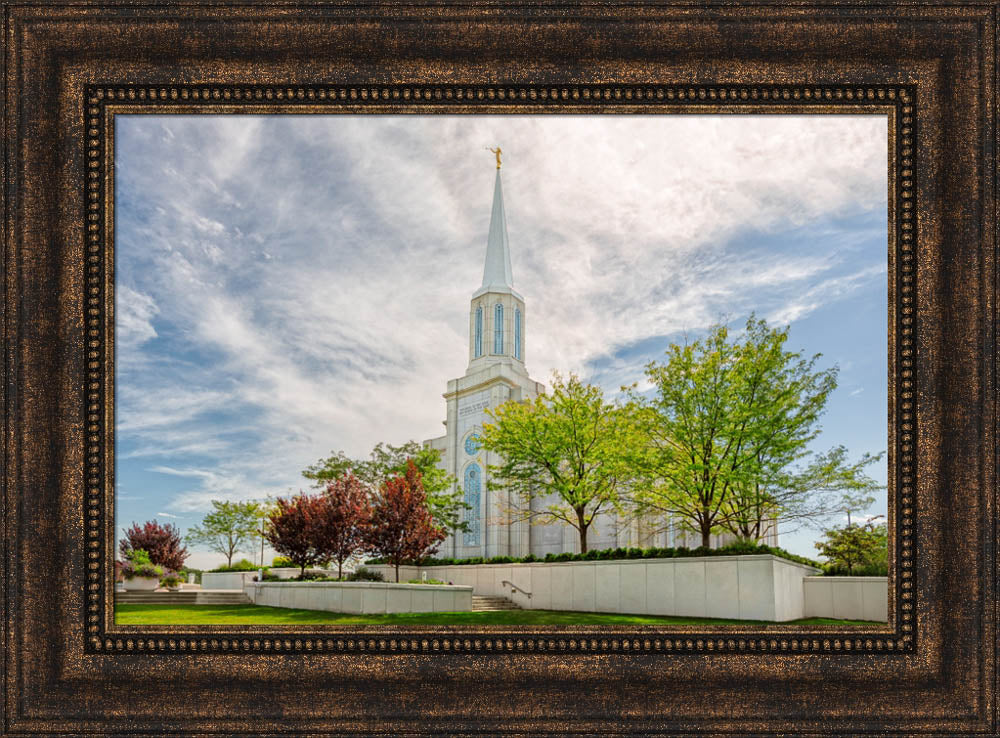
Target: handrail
514, 588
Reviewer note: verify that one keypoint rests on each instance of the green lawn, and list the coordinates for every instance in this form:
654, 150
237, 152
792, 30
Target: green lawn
254, 615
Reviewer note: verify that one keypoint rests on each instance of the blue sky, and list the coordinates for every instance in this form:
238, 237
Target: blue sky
291, 285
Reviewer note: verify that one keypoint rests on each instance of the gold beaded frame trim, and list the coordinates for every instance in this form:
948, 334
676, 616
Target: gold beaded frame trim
103, 102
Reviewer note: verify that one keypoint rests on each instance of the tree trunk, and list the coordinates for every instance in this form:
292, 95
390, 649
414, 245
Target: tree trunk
706, 537
582, 527
340, 567
397, 571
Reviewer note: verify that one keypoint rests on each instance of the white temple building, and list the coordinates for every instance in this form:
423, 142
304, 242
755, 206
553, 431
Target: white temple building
496, 374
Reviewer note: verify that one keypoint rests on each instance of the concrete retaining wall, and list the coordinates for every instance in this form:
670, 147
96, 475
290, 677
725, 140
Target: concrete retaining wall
758, 587
226, 579
847, 598
361, 597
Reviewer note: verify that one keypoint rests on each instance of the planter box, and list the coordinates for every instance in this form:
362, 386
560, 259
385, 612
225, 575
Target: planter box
142, 584
226, 579
369, 598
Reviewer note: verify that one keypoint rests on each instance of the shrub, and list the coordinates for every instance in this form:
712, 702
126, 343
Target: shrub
365, 575
282, 562
139, 565
309, 576
870, 570
241, 565
171, 580
428, 581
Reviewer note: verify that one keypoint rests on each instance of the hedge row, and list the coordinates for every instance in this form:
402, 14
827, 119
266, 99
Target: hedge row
732, 549
872, 570
361, 575
242, 565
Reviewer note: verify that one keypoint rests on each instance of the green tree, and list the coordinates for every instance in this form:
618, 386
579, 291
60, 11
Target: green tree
564, 449
726, 418
828, 484
856, 546
226, 529
444, 498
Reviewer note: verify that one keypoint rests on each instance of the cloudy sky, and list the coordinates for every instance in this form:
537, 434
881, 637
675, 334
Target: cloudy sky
291, 285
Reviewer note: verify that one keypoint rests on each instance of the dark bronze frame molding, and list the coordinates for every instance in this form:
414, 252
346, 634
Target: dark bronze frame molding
70, 68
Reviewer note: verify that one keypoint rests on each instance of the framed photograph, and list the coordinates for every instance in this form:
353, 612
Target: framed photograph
703, 295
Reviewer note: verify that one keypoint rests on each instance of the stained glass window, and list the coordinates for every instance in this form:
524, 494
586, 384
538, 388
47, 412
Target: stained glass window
517, 333
473, 485
498, 329
478, 343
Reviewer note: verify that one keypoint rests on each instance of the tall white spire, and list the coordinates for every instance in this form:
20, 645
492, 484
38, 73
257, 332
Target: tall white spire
497, 273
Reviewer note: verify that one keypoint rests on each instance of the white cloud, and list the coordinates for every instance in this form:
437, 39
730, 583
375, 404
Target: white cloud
133, 318
313, 295
862, 519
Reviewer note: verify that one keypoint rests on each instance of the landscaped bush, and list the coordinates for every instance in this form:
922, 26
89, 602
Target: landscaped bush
361, 575
171, 580
241, 565
282, 562
139, 565
307, 577
871, 570
738, 548
425, 581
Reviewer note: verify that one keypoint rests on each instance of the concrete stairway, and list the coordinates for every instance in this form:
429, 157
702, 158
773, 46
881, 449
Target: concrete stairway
490, 603
191, 597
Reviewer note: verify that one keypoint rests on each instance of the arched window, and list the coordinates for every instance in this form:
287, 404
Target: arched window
473, 485
478, 343
517, 333
498, 329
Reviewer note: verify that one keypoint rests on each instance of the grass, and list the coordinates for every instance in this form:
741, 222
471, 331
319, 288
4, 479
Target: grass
256, 615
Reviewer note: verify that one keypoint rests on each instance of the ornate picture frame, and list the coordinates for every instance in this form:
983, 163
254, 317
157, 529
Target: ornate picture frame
69, 69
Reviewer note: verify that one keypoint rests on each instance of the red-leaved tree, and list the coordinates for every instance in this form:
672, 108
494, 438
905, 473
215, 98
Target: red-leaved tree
401, 527
341, 526
161, 542
293, 529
